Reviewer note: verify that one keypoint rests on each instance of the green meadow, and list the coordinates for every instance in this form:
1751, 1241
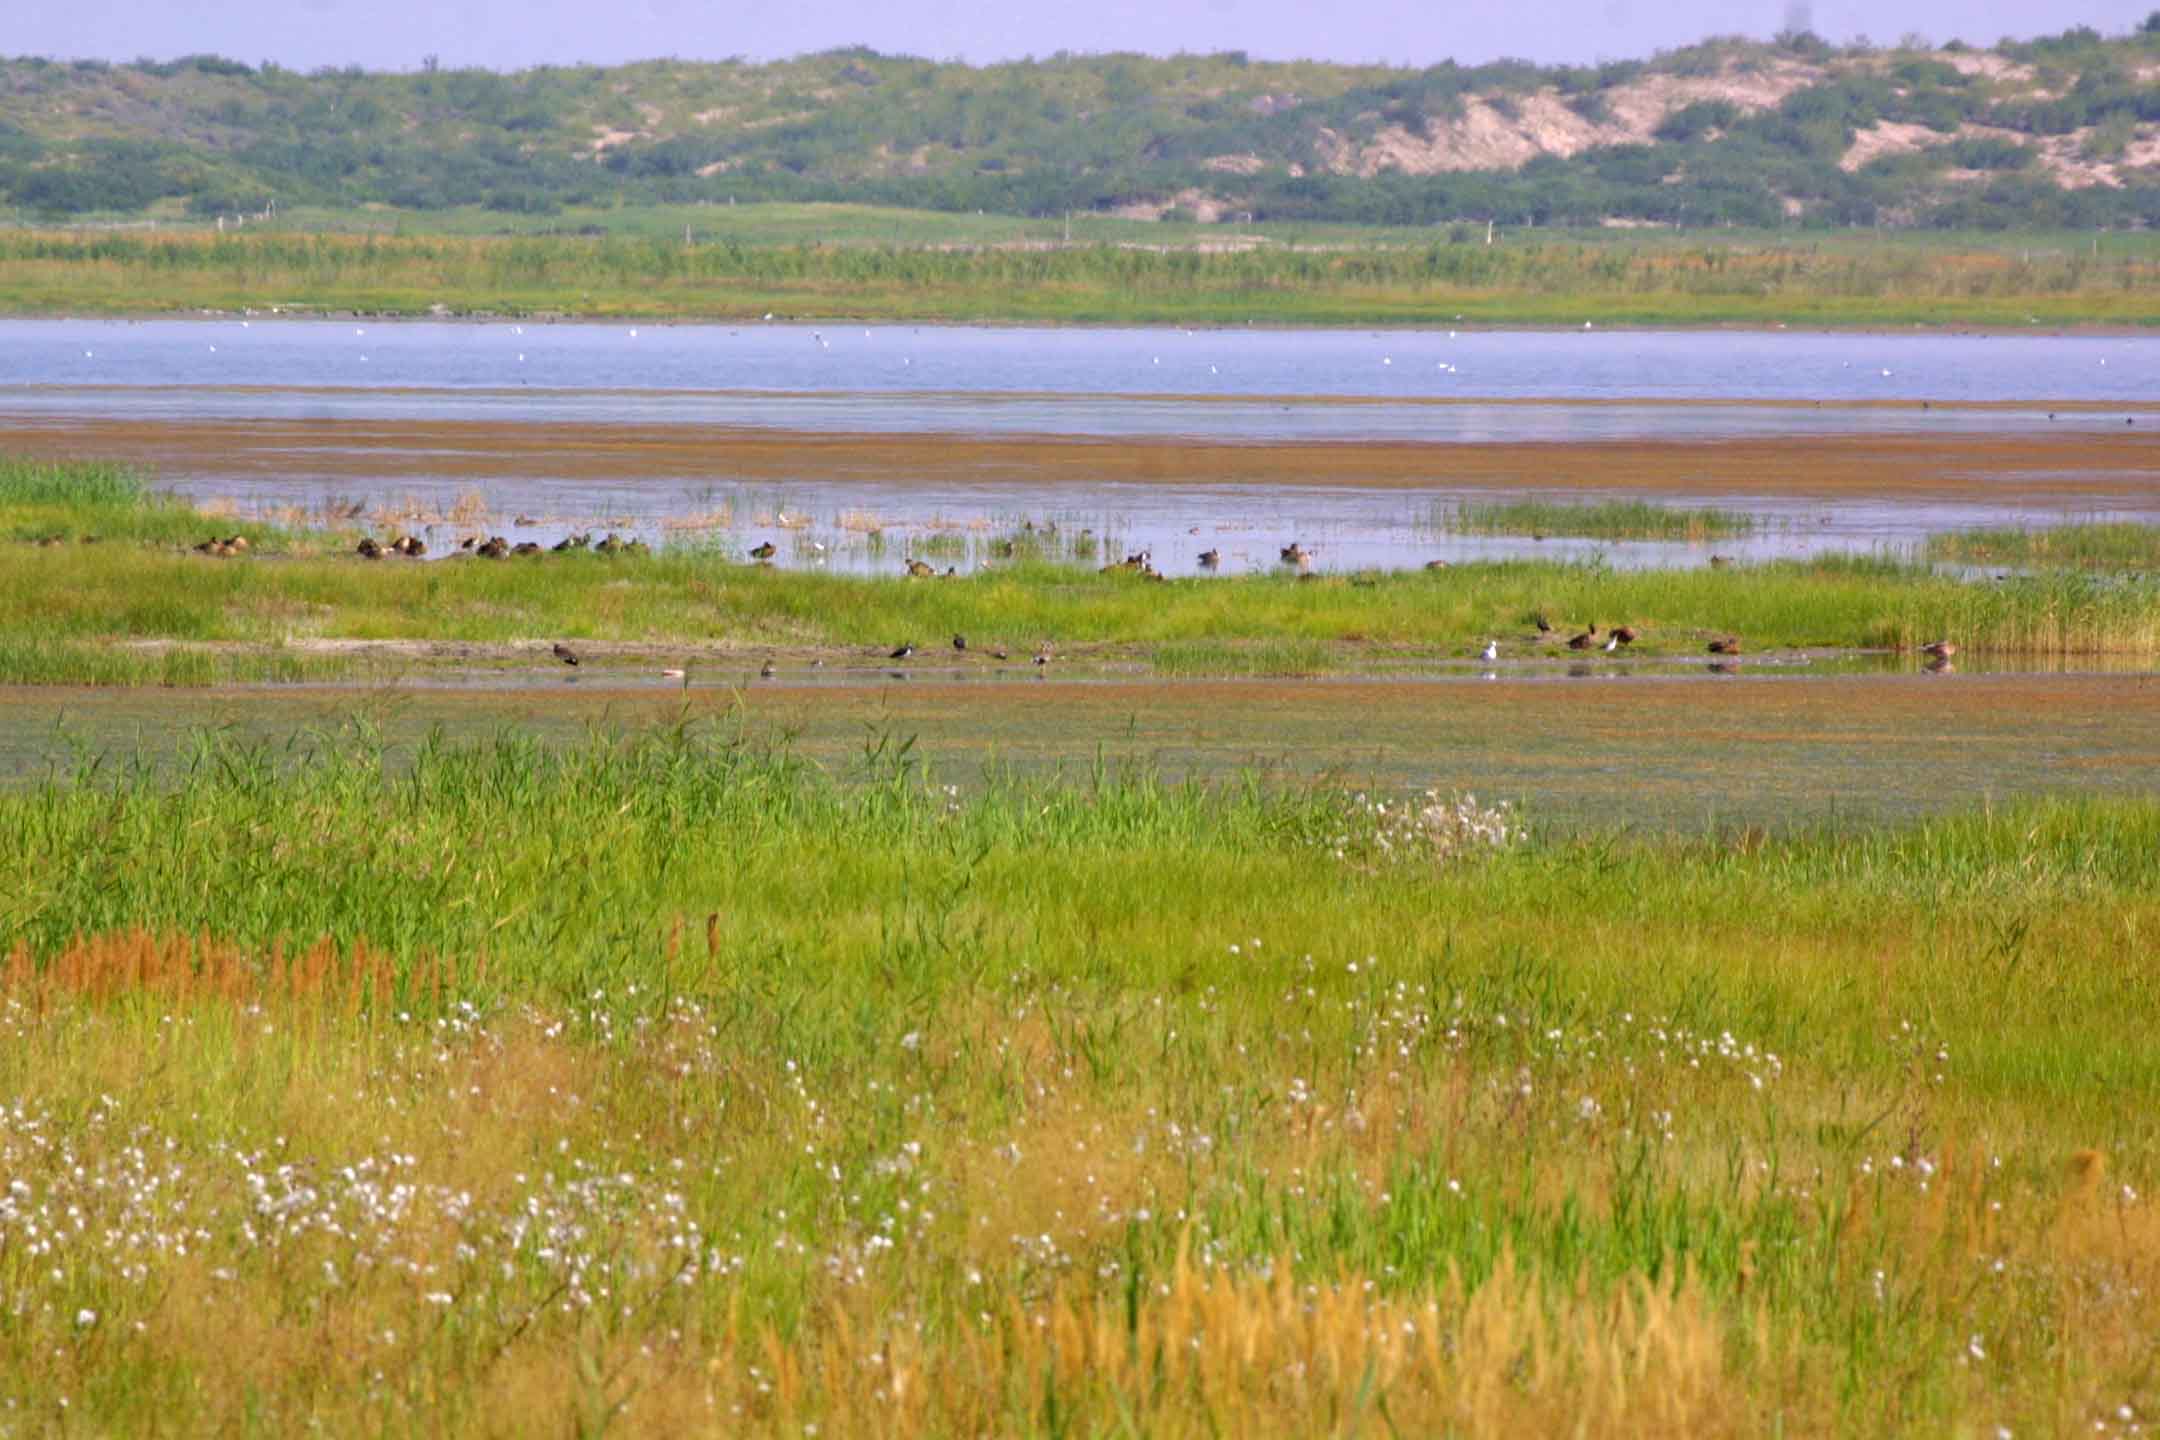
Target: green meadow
669, 1079
666, 1082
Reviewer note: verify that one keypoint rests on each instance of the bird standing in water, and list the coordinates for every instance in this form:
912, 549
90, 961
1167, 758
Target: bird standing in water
1491, 650
1940, 650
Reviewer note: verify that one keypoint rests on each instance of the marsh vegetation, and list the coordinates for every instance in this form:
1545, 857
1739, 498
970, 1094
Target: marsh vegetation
667, 1079
673, 1077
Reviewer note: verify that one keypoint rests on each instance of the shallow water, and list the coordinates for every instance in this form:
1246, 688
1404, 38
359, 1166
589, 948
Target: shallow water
1674, 755
852, 448
799, 376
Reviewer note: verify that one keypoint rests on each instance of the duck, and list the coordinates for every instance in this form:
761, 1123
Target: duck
1544, 625
1940, 650
1436, 565
1583, 641
765, 551
494, 547
1210, 559
526, 547
1625, 634
959, 642
1296, 554
917, 570
369, 548
1725, 645
564, 653
768, 669
411, 545
572, 542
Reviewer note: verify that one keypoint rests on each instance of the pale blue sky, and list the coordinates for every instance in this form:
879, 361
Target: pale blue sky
507, 34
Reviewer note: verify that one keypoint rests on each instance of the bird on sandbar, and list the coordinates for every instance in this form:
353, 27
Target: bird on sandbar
1725, 645
1940, 650
1625, 634
1544, 625
1612, 643
767, 670
959, 642
1042, 657
674, 673
765, 551
1583, 641
1491, 650
902, 653
565, 654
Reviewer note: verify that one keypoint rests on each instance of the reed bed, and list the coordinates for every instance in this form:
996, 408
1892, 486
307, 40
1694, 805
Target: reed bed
2097, 545
1560, 282
1595, 520
73, 502
669, 1082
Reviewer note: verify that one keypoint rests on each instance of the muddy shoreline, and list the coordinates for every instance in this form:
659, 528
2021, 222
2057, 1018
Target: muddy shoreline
2047, 468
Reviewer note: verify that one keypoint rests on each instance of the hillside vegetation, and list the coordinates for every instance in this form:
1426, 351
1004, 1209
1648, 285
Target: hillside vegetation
2062, 131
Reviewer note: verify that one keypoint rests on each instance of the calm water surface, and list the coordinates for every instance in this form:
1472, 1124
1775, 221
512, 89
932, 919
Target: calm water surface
1433, 386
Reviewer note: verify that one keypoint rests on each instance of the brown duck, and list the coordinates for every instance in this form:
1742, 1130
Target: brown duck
1725, 645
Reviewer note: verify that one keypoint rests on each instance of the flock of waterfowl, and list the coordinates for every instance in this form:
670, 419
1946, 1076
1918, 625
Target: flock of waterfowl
495, 547
1619, 637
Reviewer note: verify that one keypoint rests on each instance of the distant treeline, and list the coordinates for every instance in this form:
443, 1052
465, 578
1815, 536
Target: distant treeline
2012, 136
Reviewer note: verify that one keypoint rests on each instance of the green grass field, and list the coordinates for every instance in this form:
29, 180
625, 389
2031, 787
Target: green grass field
665, 1082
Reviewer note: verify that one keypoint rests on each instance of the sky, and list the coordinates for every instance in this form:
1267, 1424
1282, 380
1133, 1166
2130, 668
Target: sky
514, 34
